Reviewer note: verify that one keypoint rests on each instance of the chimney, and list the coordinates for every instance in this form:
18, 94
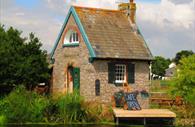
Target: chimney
132, 8
129, 9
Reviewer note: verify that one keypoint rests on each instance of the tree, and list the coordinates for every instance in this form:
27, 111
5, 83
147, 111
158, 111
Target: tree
184, 81
22, 61
181, 54
159, 65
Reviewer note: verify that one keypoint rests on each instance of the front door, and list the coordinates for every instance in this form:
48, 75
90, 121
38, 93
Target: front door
76, 78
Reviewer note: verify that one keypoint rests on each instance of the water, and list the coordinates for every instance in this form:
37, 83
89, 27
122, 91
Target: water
86, 125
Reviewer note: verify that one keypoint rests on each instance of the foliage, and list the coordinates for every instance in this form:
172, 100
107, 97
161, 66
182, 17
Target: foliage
22, 60
184, 82
70, 109
73, 109
22, 106
181, 54
3, 120
159, 65
118, 96
98, 112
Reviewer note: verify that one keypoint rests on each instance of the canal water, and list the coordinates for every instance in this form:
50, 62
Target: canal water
91, 125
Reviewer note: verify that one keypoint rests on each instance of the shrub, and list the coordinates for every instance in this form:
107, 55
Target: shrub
98, 112
94, 110
184, 80
70, 109
3, 120
23, 106
107, 114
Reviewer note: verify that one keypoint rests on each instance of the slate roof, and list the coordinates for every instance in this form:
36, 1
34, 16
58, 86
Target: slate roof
111, 35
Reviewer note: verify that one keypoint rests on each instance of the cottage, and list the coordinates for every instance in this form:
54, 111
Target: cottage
97, 51
169, 72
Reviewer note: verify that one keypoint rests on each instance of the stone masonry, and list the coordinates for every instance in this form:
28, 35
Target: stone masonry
79, 57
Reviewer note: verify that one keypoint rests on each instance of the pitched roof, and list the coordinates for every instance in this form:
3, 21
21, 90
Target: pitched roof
111, 35
107, 34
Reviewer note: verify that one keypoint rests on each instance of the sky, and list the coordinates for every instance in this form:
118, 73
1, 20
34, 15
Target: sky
168, 26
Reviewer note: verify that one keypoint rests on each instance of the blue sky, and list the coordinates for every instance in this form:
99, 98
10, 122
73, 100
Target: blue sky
28, 3
148, 1
141, 1
168, 26
34, 3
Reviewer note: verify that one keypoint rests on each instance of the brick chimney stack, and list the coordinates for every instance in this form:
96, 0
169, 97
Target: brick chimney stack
132, 7
129, 9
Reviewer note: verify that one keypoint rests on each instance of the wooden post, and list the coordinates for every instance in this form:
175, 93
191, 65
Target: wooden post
144, 121
117, 121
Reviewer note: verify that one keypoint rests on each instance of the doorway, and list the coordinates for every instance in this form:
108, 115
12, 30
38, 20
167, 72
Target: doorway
73, 77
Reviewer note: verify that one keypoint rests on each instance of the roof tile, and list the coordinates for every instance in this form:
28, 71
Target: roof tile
111, 35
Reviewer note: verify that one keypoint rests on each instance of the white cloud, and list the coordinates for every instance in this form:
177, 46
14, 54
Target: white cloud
167, 27
108, 4
44, 25
19, 14
179, 15
65, 4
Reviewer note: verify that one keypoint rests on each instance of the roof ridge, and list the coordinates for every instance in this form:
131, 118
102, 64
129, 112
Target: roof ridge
93, 8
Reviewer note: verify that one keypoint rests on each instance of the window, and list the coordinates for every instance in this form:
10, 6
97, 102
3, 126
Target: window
120, 73
74, 38
97, 87
71, 38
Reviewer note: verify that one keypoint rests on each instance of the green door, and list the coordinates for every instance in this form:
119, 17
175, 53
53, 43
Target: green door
76, 78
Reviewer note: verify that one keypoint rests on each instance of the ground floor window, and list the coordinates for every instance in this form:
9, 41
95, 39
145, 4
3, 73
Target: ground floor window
119, 73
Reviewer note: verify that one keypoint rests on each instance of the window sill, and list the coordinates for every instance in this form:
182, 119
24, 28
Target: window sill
71, 45
118, 84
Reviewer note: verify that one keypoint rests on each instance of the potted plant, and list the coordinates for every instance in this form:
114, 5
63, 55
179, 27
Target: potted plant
144, 94
119, 98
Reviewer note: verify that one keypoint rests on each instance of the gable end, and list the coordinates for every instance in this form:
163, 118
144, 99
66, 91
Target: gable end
83, 33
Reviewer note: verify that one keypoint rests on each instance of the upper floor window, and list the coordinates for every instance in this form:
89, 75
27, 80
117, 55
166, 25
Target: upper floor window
74, 37
71, 37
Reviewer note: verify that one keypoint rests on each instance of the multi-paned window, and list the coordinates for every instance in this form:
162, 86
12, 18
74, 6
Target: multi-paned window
71, 37
120, 73
74, 37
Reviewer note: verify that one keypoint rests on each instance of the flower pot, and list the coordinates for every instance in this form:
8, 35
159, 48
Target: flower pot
144, 95
119, 99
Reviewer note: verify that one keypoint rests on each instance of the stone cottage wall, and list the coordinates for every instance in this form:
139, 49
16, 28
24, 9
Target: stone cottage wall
89, 72
100, 71
65, 56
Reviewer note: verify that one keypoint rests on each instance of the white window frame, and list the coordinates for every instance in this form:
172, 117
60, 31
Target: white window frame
71, 37
120, 73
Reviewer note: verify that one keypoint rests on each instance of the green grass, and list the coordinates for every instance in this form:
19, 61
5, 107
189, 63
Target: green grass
159, 86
